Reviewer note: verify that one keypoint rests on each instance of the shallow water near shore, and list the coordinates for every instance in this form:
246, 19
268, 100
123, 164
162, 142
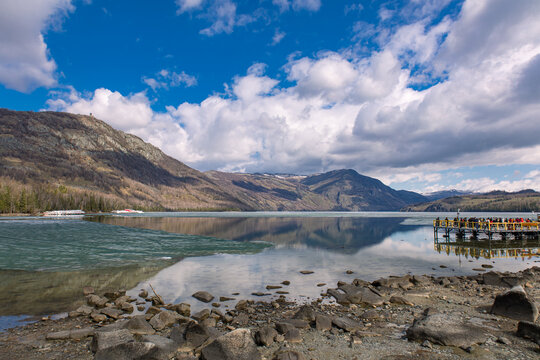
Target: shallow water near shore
225, 253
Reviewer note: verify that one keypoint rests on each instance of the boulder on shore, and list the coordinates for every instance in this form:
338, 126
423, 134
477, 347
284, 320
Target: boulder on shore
515, 304
446, 329
203, 296
164, 319
106, 339
236, 345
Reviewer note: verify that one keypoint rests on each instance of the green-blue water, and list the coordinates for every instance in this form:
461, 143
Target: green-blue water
70, 244
44, 263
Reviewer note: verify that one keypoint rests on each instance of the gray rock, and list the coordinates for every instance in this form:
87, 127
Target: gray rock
58, 335
400, 300
289, 355
112, 313
128, 351
78, 334
195, 335
265, 336
88, 290
420, 280
346, 324
297, 323
106, 339
203, 296
98, 317
515, 304
403, 282
113, 295
284, 327
370, 315
84, 310
323, 322
236, 345
529, 330
164, 319
201, 315
209, 322
305, 313
242, 305
183, 309
360, 282
446, 329
97, 301
125, 306
240, 320
495, 278
143, 294
293, 336
356, 295
139, 326
165, 348
341, 297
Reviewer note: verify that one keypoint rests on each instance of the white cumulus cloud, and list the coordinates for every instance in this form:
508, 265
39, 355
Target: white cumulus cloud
187, 5
25, 62
344, 110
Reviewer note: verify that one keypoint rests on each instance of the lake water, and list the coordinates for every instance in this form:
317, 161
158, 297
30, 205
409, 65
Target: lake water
44, 263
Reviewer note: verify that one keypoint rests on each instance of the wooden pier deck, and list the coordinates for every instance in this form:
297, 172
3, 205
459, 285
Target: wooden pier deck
502, 230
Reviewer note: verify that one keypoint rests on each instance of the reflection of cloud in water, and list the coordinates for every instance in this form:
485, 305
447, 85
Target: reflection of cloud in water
223, 275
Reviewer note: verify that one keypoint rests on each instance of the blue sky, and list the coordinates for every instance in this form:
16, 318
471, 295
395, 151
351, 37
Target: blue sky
425, 95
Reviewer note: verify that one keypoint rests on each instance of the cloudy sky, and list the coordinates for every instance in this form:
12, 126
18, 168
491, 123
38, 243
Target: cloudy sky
423, 94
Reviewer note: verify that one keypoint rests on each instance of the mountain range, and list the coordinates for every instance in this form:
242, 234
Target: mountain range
52, 159
522, 201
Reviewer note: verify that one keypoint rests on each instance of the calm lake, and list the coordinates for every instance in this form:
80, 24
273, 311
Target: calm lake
44, 263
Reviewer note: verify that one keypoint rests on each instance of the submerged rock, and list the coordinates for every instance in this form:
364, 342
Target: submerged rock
203, 296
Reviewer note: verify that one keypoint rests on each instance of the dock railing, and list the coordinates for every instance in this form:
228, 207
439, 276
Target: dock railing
487, 225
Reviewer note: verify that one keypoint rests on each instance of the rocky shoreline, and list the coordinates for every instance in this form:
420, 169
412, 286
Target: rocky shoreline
492, 315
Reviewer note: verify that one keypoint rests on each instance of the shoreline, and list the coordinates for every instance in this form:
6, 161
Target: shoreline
391, 318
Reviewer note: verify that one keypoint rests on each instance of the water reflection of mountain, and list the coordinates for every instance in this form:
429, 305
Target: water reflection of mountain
41, 292
337, 234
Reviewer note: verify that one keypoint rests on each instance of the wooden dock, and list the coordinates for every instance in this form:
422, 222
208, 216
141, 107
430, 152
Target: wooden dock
490, 229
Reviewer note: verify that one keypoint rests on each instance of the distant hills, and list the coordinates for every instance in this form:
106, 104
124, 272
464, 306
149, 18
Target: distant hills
445, 194
525, 201
338, 190
53, 160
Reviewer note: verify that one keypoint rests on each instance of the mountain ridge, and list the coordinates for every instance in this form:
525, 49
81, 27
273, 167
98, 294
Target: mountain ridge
57, 159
